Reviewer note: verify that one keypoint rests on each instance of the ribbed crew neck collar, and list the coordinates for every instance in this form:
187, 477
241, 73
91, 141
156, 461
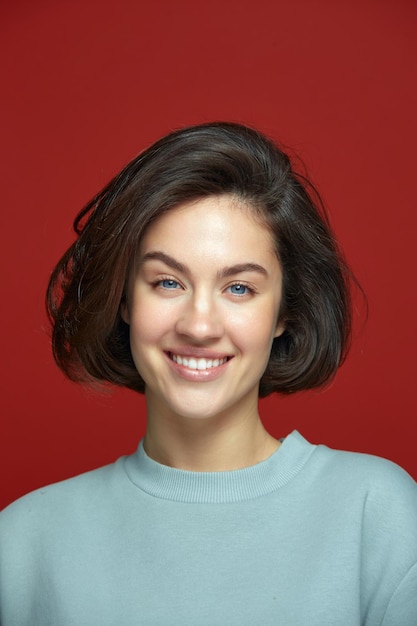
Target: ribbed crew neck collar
168, 483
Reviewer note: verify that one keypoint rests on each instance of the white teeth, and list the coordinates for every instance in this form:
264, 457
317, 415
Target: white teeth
197, 364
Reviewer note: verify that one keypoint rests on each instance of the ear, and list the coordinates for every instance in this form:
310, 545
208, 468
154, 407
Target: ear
124, 310
279, 329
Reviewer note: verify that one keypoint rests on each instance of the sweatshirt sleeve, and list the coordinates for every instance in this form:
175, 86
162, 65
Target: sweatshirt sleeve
389, 546
402, 608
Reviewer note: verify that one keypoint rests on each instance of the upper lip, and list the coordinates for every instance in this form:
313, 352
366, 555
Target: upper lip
198, 353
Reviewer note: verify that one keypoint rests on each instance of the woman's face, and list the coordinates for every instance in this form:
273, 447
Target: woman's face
203, 308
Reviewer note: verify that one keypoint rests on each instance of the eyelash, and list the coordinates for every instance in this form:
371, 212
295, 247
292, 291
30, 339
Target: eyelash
166, 279
176, 284
249, 290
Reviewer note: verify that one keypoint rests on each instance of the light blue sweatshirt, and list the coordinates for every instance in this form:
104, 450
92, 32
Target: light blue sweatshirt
309, 537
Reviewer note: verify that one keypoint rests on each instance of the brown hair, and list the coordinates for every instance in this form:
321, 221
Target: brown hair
89, 338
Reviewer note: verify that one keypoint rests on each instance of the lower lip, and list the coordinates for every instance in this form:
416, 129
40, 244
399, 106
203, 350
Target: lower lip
200, 376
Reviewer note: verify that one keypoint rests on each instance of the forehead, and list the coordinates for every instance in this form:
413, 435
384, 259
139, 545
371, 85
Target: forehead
216, 223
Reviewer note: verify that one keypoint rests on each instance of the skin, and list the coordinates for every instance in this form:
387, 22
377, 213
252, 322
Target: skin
203, 308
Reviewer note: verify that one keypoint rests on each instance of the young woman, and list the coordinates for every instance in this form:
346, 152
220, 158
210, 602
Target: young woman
205, 275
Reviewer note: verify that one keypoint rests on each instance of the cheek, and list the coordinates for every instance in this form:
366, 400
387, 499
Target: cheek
255, 332
148, 323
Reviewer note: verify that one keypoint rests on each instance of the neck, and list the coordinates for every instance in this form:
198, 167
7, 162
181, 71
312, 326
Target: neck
215, 444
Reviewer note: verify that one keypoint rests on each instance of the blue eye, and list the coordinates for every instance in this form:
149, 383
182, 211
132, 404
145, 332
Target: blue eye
168, 283
239, 290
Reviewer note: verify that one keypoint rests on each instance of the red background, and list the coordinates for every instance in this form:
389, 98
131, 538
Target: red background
87, 84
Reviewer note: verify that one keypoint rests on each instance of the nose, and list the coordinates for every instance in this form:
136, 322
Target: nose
200, 318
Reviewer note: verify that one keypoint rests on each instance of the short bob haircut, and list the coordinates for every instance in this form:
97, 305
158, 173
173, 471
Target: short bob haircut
90, 340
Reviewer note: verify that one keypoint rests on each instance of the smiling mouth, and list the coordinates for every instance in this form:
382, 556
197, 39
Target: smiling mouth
194, 363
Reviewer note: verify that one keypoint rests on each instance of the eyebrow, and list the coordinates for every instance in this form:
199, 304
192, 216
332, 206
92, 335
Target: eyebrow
223, 273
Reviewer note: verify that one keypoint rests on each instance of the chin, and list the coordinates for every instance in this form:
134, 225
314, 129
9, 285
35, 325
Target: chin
198, 413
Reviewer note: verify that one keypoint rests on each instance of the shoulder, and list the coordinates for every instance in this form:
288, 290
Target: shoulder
373, 475
373, 501
47, 506
356, 470
378, 494
382, 493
